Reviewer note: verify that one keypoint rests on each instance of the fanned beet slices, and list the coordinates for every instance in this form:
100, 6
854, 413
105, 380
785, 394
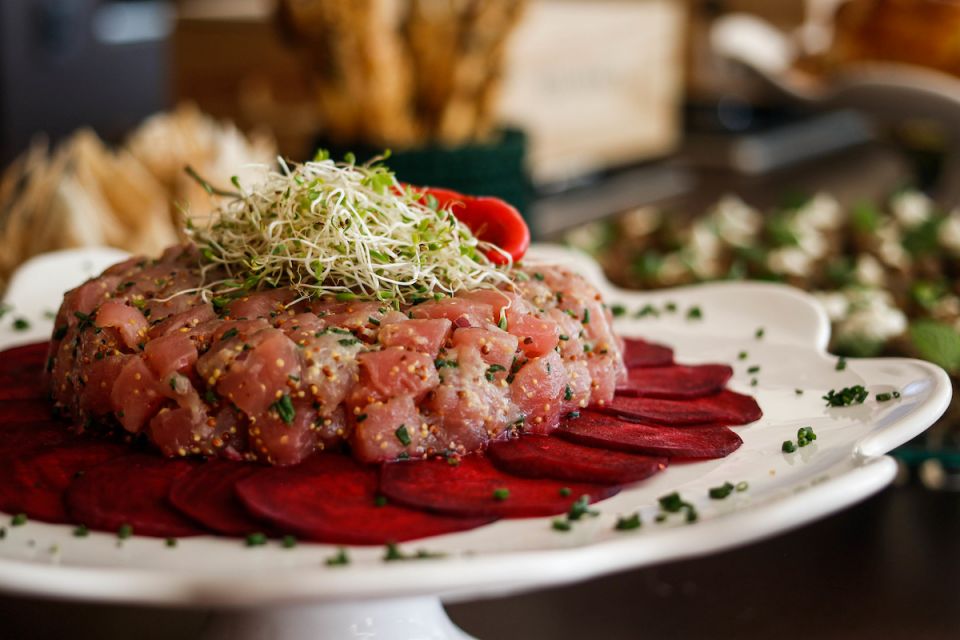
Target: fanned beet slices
549, 457
131, 490
16, 439
25, 410
35, 483
331, 498
21, 376
207, 494
471, 488
726, 408
610, 432
640, 353
678, 382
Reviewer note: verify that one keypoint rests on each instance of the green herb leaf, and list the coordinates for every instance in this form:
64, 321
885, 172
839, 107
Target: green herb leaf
403, 435
285, 409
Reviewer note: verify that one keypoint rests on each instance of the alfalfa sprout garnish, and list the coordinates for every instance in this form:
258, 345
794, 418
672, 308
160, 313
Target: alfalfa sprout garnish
343, 229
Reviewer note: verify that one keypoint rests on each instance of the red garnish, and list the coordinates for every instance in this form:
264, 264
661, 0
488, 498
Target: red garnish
490, 219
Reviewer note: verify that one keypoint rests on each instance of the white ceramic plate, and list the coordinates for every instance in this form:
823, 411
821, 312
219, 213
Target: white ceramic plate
844, 465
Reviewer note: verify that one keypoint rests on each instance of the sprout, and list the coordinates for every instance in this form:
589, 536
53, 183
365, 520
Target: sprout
341, 229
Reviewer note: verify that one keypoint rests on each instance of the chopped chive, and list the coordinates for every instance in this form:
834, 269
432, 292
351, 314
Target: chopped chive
841, 364
559, 524
760, 332
670, 307
884, 397
754, 369
18, 520
285, 409
125, 531
646, 310
21, 324
288, 542
743, 485
170, 542
618, 310
846, 396
721, 492
580, 508
565, 491
81, 531
500, 494
586, 316
742, 355
403, 435
257, 539
694, 313
799, 392
805, 436
229, 333
339, 559
568, 394
628, 523
788, 446
671, 503
380, 501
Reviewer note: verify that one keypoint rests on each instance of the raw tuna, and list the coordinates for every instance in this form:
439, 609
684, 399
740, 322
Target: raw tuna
476, 488
726, 407
676, 381
34, 483
548, 457
139, 347
640, 353
609, 432
331, 498
131, 490
206, 493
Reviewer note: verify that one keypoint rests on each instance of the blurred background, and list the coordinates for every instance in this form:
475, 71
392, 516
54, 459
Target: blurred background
812, 142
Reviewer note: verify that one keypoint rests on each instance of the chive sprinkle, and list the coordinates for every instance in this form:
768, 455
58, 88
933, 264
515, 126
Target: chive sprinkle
754, 369
759, 333
694, 313
339, 559
403, 435
81, 531
288, 542
500, 494
788, 446
285, 409
125, 531
18, 520
257, 539
565, 491
846, 396
21, 324
721, 492
841, 364
559, 524
628, 523
171, 542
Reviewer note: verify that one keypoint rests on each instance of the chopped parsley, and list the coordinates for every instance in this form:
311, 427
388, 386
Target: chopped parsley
721, 492
493, 369
846, 396
628, 523
284, 408
257, 539
403, 435
339, 559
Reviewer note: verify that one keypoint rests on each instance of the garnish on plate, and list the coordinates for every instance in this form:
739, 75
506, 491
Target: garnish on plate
326, 227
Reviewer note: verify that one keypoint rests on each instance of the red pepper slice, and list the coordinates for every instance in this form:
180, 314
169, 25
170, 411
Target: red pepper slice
490, 219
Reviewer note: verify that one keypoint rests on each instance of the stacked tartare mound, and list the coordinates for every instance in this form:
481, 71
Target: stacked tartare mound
271, 376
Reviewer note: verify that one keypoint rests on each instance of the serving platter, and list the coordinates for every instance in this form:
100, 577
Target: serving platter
278, 592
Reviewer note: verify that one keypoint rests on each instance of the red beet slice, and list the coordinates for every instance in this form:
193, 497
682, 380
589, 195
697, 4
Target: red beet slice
610, 432
25, 410
207, 495
35, 483
640, 353
471, 487
547, 457
130, 490
18, 437
331, 498
726, 407
676, 381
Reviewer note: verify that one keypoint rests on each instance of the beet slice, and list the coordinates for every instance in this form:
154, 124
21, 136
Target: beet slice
130, 490
640, 353
16, 438
332, 498
470, 488
207, 495
25, 410
35, 483
610, 432
548, 457
676, 381
21, 372
726, 408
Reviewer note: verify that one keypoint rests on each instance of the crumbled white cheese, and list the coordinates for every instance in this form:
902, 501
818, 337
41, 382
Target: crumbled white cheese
890, 247
835, 303
949, 233
872, 315
792, 261
822, 212
869, 271
736, 222
911, 208
641, 221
